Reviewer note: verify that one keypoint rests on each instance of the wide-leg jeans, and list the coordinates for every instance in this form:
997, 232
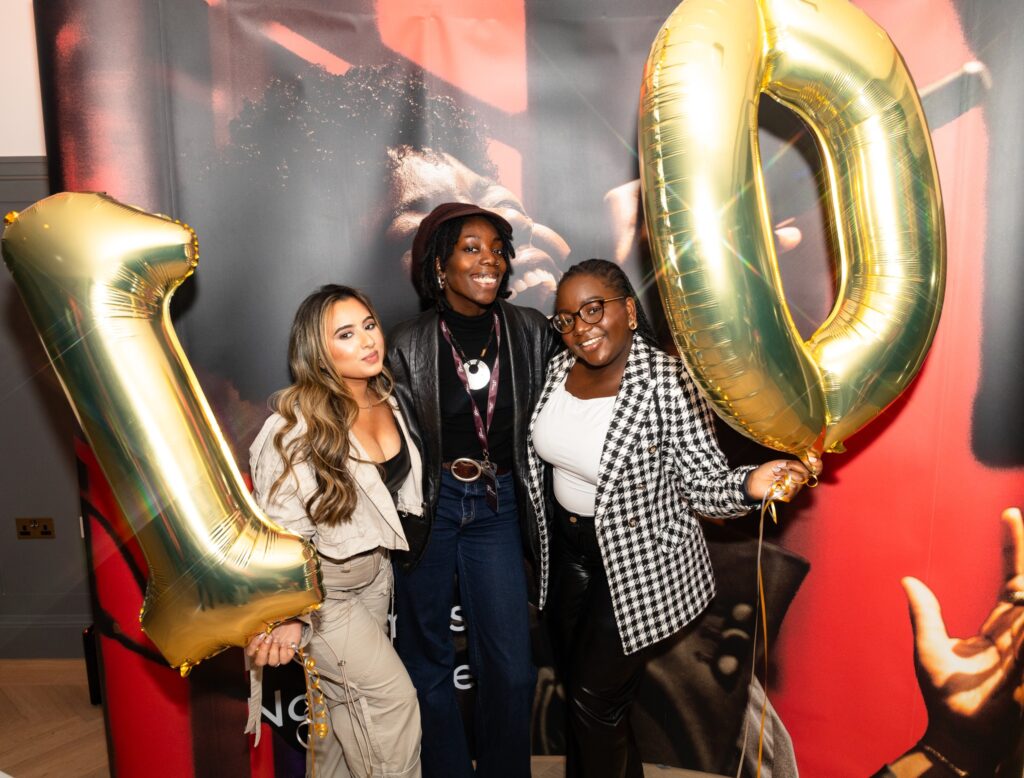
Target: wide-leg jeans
484, 549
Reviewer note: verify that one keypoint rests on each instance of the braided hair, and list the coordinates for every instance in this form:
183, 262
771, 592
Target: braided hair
441, 245
613, 275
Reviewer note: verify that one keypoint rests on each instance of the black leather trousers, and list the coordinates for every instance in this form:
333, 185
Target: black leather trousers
600, 680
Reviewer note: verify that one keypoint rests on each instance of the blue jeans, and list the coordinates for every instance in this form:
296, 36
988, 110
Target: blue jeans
485, 550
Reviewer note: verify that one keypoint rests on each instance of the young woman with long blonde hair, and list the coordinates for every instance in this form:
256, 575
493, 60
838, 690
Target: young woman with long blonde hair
337, 463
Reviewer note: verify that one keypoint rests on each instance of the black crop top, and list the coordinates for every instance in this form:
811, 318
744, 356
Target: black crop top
396, 469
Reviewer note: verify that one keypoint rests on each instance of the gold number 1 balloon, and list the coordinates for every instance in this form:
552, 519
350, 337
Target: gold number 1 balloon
97, 278
707, 213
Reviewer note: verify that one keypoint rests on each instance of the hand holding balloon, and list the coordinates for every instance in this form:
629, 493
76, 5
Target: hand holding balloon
781, 479
276, 647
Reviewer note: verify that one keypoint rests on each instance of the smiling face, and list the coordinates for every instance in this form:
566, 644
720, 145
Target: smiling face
354, 341
473, 272
422, 180
606, 343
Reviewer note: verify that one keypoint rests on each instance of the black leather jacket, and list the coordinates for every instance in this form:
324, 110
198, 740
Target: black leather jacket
412, 357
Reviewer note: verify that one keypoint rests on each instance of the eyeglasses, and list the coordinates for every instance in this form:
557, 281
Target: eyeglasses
591, 312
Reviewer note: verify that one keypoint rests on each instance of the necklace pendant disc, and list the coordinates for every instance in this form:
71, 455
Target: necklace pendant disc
478, 375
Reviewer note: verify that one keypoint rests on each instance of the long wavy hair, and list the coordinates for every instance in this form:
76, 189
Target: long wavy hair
320, 398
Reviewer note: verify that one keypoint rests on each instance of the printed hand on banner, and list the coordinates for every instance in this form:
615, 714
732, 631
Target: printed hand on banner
973, 687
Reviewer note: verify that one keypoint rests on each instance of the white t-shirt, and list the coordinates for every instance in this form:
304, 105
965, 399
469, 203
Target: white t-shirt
569, 435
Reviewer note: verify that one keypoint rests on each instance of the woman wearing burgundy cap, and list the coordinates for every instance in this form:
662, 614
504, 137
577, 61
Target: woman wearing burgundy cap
468, 373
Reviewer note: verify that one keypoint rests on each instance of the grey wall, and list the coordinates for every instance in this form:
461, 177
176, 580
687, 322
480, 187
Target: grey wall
44, 593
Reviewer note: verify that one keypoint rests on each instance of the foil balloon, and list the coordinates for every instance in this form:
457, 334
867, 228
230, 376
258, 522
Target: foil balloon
708, 216
97, 278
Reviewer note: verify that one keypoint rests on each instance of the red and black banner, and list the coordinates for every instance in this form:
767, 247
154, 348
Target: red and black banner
304, 140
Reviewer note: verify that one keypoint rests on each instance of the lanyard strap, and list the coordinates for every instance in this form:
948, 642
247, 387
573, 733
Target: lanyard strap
492, 388
455, 345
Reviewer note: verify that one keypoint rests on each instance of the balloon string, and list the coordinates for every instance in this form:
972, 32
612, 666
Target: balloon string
316, 706
760, 622
764, 632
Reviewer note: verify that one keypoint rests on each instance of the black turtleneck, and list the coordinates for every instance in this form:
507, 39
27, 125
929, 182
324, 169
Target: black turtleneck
458, 434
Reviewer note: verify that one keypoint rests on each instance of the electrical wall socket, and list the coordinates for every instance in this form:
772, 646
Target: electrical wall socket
35, 529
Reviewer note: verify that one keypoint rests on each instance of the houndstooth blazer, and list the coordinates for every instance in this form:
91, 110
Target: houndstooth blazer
660, 466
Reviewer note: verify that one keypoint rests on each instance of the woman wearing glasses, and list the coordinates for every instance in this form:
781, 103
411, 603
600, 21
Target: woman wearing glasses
632, 458
468, 372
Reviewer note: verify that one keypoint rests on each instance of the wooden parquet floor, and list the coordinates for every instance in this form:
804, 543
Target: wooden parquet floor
47, 726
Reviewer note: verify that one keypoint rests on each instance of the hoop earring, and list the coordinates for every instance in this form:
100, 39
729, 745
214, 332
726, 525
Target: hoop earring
632, 325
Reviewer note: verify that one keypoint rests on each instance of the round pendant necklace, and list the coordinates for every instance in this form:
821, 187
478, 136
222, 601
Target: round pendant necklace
478, 375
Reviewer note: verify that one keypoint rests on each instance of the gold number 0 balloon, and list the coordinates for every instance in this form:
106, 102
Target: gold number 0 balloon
707, 213
97, 277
